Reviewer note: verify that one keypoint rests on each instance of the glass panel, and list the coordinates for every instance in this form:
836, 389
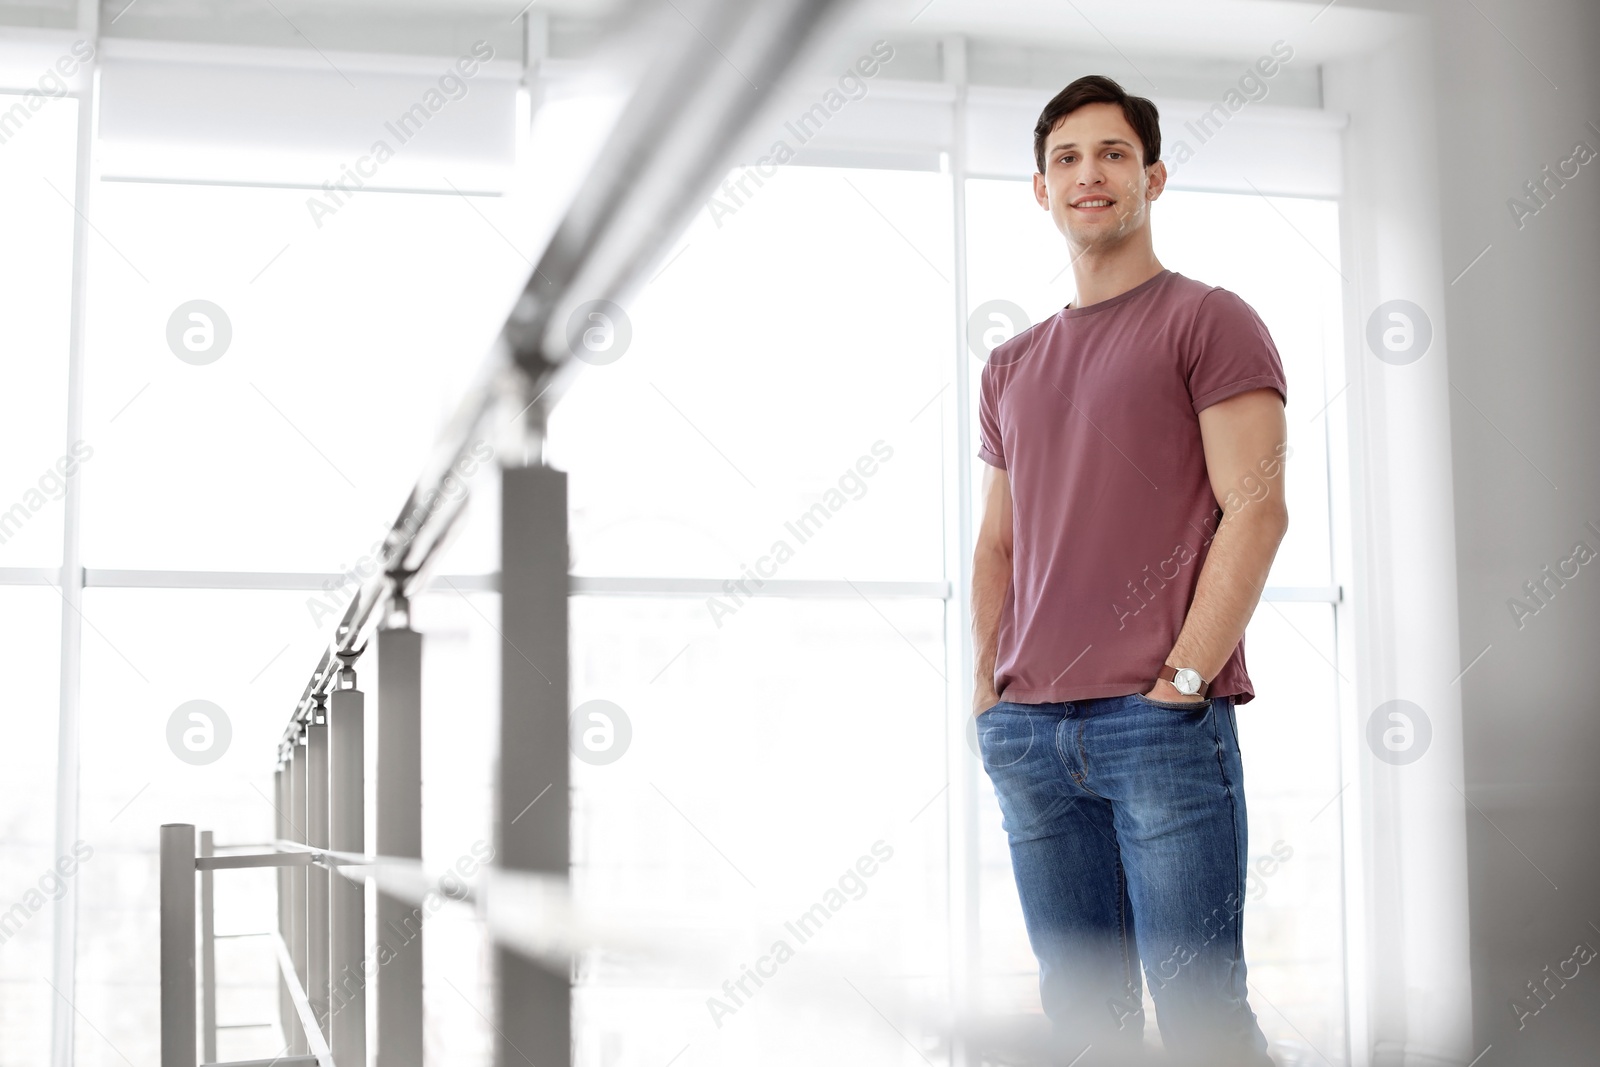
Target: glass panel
781, 784
37, 153
460, 737
350, 345
1287, 269
144, 658
1294, 918
136, 676
779, 381
30, 880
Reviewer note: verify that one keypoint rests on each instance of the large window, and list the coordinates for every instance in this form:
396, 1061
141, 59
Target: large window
763, 524
789, 350
30, 627
36, 187
290, 451
776, 415
342, 349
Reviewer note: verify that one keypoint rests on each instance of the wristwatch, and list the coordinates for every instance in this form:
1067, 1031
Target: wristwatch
1185, 680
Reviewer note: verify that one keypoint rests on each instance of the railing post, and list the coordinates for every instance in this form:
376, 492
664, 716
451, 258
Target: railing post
298, 767
208, 959
177, 946
347, 899
398, 830
533, 1003
317, 877
286, 1019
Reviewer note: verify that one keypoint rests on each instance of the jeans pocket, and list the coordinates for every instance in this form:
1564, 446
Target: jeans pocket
1184, 705
1005, 737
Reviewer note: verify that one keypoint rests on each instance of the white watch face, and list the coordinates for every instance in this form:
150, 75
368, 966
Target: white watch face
1186, 681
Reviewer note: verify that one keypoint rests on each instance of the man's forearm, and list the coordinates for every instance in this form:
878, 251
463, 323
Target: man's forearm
1230, 585
991, 577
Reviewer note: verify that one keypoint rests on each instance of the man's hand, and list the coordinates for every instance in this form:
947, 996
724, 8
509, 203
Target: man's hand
991, 577
1166, 691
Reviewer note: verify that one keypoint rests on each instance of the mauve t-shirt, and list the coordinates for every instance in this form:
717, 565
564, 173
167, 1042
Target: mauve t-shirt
1094, 415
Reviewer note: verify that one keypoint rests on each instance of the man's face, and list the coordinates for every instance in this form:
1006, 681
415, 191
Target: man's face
1094, 184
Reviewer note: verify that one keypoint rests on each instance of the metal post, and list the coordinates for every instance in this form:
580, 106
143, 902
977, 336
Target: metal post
177, 946
297, 883
534, 1004
208, 959
398, 829
280, 780
317, 877
347, 899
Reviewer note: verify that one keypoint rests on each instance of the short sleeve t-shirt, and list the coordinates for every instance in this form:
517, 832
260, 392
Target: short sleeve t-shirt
1094, 415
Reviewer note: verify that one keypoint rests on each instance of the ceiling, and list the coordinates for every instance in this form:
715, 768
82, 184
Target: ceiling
1200, 28
1195, 29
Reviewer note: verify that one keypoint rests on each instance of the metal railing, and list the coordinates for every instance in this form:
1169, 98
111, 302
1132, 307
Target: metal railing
712, 68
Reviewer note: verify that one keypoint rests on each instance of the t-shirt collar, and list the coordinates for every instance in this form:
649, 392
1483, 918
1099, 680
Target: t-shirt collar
1151, 282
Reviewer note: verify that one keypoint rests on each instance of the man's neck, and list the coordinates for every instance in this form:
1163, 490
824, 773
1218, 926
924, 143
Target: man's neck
1103, 277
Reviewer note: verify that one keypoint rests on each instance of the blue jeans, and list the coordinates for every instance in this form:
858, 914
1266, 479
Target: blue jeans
1126, 822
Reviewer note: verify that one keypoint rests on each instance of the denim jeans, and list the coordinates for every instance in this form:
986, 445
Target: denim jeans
1126, 822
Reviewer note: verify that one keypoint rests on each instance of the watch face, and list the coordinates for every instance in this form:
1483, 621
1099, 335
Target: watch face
1187, 681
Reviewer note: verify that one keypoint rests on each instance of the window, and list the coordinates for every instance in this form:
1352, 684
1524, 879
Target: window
762, 523
37, 156
392, 303
777, 411
788, 354
36, 185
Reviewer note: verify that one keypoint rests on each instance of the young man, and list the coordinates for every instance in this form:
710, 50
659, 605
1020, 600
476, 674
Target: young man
1117, 563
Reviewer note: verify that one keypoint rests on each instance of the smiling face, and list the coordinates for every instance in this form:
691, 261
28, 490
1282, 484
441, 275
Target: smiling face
1095, 185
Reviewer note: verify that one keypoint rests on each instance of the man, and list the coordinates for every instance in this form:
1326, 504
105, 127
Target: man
1117, 563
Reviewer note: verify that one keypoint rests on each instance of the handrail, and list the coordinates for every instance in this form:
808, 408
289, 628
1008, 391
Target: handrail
536, 912
680, 127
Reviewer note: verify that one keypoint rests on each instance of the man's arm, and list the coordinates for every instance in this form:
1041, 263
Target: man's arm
991, 577
1245, 439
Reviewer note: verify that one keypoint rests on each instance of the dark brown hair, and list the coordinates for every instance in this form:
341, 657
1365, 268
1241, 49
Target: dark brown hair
1098, 89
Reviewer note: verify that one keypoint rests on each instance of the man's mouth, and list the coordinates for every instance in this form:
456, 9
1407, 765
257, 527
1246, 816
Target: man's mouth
1101, 204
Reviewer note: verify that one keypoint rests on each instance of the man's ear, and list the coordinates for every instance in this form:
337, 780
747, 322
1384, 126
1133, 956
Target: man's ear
1041, 192
1158, 178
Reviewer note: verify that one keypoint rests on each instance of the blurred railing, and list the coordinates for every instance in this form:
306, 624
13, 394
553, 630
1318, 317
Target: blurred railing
709, 68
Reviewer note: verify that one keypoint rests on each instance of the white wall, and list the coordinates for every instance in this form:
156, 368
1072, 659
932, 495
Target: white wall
1517, 87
